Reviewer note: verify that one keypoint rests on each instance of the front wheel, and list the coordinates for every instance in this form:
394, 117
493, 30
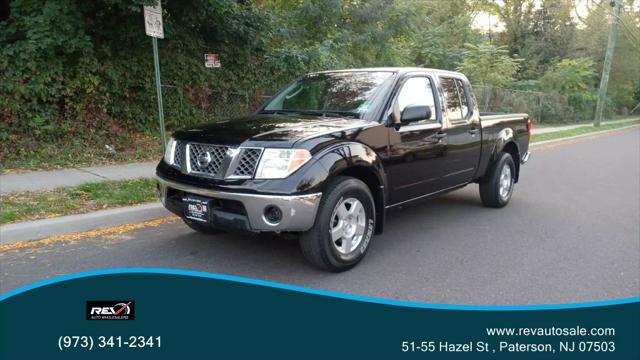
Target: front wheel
343, 228
496, 189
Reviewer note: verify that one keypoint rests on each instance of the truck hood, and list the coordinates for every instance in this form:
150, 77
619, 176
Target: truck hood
268, 130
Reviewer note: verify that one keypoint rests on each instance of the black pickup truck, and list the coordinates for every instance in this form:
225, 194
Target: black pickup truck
331, 152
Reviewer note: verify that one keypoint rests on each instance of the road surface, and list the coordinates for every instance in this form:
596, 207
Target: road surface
570, 234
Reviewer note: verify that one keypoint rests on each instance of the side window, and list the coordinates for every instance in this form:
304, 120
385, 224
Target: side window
417, 91
464, 107
452, 99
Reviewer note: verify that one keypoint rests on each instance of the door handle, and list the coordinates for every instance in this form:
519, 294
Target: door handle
474, 131
440, 135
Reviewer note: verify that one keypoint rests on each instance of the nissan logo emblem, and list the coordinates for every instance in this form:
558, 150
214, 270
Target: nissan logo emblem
204, 159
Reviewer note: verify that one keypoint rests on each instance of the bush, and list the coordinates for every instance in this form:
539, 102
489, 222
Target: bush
489, 65
574, 78
83, 70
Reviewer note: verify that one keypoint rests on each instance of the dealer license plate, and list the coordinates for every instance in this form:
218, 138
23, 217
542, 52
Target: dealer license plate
196, 208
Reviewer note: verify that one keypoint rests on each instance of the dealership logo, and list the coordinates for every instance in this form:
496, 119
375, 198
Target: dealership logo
111, 310
198, 207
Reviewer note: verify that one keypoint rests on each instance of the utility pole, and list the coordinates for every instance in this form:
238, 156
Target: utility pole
611, 44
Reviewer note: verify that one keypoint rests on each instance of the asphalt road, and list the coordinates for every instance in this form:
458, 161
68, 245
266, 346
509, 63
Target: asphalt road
570, 234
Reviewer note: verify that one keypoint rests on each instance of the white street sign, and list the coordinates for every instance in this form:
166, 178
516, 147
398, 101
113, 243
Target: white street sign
153, 21
211, 60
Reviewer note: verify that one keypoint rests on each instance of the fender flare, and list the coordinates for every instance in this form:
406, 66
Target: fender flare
504, 138
356, 158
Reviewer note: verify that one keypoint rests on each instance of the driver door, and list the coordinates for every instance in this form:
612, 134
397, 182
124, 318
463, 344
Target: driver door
417, 150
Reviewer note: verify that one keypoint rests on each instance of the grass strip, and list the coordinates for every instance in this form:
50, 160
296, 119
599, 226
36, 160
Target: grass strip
79, 153
580, 131
85, 198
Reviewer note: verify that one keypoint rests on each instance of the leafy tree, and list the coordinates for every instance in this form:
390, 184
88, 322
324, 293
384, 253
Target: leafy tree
440, 34
552, 37
625, 71
76, 70
517, 17
490, 65
575, 79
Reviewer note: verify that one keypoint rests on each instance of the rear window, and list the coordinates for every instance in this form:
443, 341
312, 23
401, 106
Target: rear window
462, 92
455, 98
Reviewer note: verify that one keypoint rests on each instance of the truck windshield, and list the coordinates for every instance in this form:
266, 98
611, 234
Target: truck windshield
332, 94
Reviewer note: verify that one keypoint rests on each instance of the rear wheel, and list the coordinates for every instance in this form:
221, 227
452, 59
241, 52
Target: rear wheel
496, 189
343, 228
202, 228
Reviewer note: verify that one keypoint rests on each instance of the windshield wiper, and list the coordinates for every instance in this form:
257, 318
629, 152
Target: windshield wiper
282, 112
332, 113
314, 112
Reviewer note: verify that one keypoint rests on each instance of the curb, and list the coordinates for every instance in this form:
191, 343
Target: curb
595, 133
70, 224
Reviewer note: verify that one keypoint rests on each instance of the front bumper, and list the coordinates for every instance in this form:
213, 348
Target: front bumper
298, 211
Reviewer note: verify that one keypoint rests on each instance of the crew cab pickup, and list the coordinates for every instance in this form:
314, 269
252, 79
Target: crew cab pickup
332, 152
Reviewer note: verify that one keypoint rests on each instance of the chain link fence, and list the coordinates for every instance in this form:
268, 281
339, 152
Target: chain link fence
217, 105
183, 108
541, 107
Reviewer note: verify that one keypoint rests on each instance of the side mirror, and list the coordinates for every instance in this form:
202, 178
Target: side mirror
414, 113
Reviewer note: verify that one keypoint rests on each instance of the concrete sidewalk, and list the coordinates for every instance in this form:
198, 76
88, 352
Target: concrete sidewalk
46, 180
549, 129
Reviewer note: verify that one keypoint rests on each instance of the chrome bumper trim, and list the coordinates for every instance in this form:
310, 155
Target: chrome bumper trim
525, 157
298, 211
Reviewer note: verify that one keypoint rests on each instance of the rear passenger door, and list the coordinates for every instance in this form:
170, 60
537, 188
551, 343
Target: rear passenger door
463, 133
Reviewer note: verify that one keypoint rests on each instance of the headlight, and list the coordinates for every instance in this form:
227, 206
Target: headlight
280, 163
169, 151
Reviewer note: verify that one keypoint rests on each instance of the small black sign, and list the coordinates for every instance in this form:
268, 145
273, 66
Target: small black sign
111, 310
196, 208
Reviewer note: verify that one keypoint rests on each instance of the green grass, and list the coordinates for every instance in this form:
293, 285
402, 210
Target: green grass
587, 129
74, 200
618, 118
28, 156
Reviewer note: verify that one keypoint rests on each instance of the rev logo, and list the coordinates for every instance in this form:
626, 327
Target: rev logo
111, 310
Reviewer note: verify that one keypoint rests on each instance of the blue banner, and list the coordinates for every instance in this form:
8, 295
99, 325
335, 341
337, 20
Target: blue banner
155, 313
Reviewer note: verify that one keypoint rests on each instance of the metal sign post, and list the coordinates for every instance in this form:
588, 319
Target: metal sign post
156, 63
153, 27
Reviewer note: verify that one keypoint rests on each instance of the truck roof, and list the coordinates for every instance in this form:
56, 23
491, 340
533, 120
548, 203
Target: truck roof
400, 70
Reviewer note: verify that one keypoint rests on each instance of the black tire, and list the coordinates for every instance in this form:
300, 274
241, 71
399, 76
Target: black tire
203, 228
490, 185
317, 244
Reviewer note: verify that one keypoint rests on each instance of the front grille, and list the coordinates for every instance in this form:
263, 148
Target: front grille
216, 158
240, 163
248, 162
177, 155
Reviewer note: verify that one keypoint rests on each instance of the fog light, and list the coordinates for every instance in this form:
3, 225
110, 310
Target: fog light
272, 215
